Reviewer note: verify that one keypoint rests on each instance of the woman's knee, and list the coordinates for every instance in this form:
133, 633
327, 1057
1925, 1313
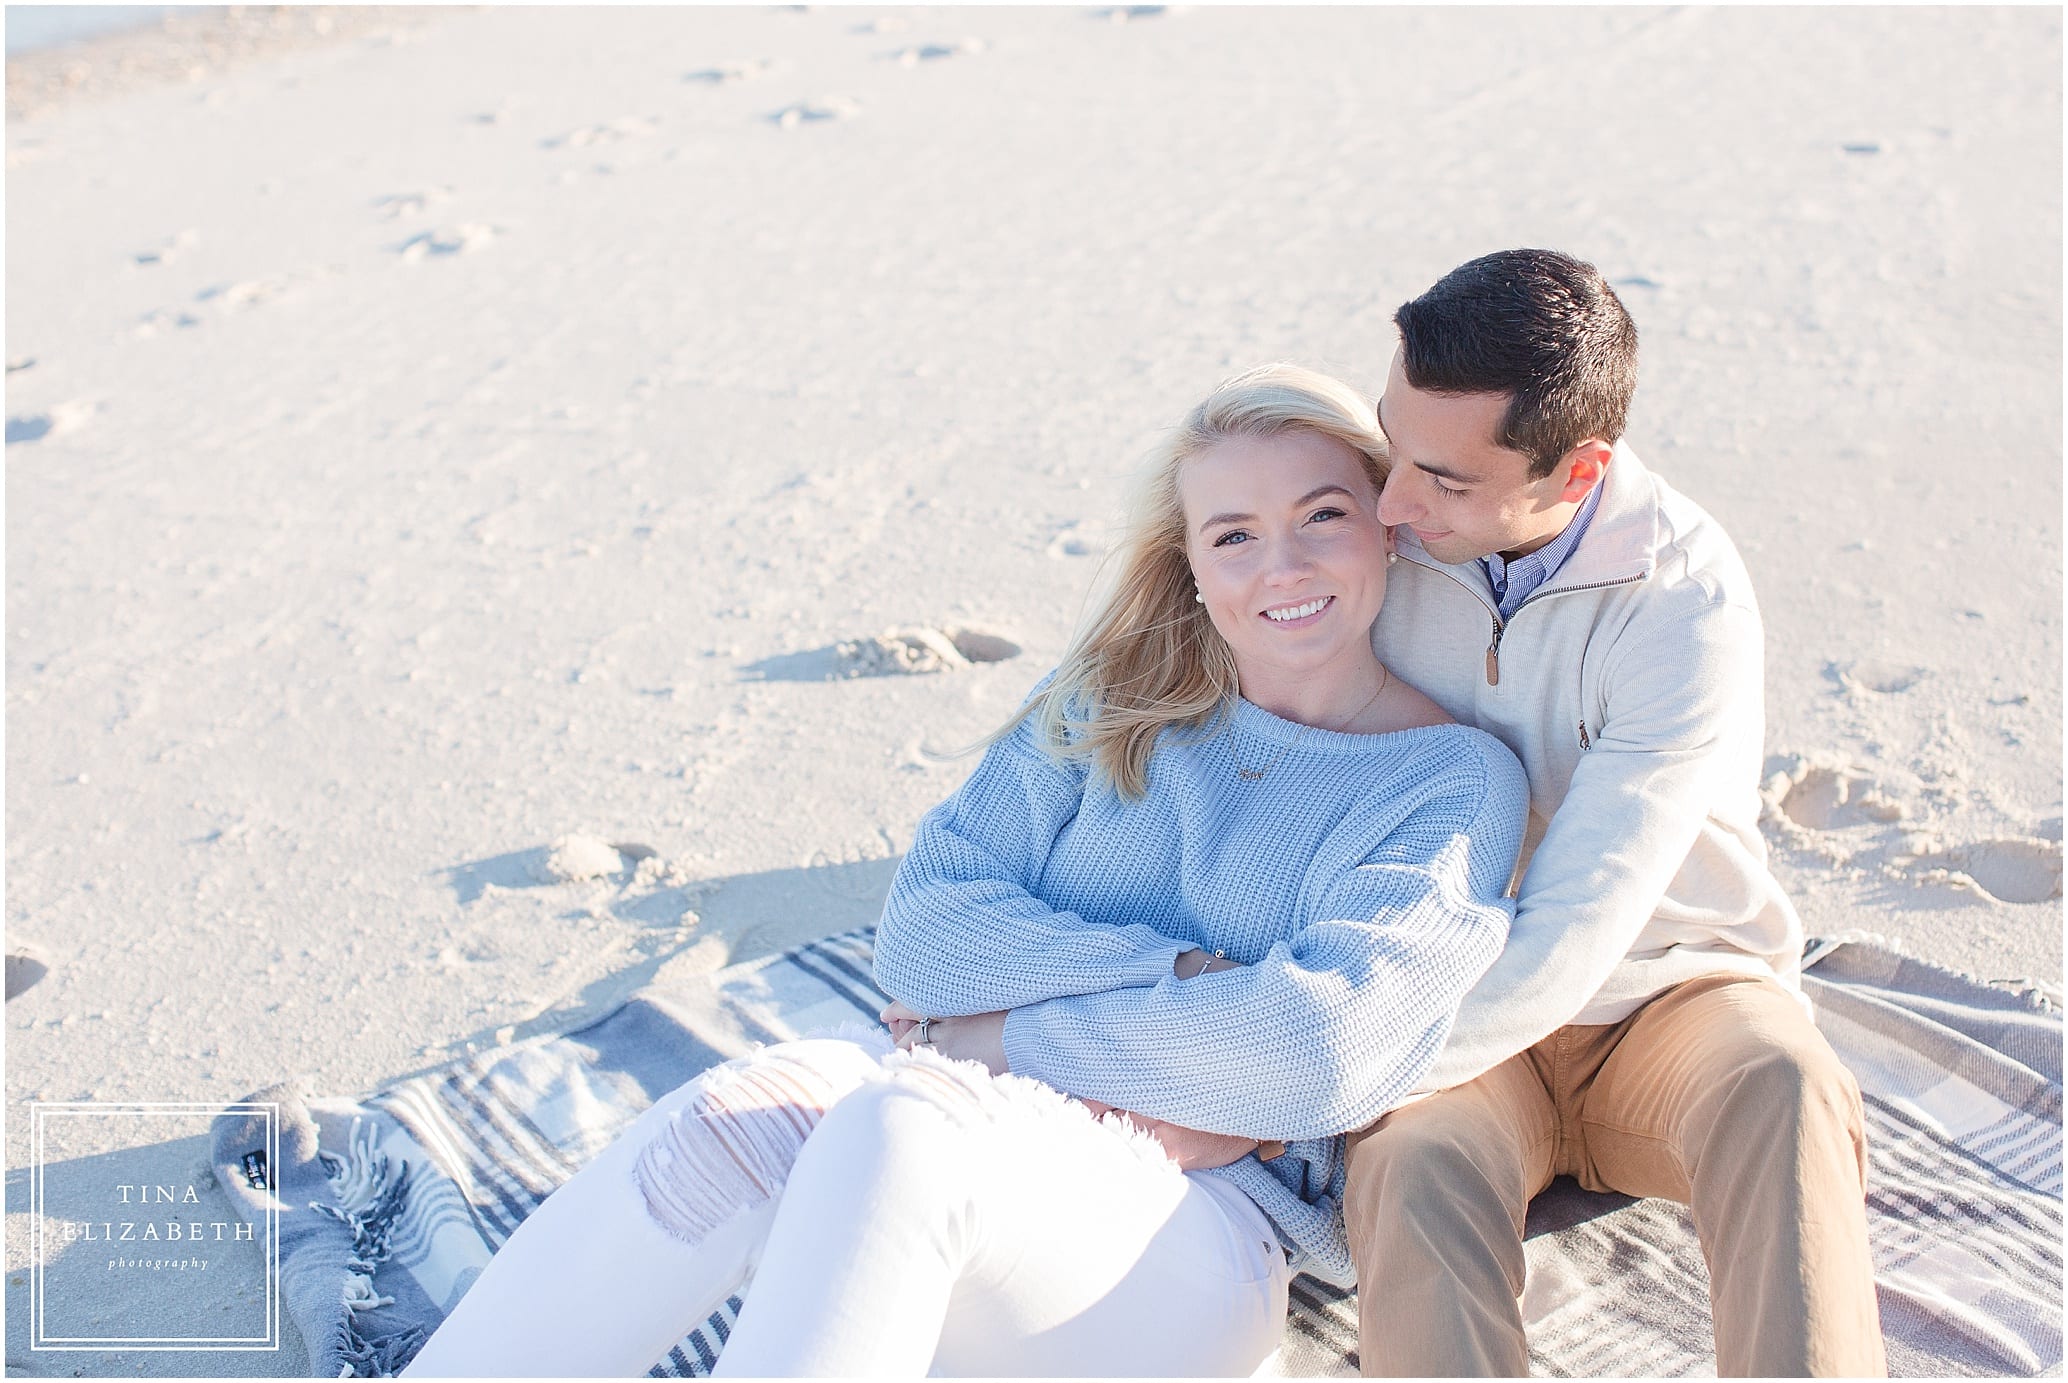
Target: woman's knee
733, 1143
913, 1113
944, 1129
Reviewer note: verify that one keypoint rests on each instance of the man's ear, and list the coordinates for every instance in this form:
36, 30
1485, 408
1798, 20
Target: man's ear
1587, 463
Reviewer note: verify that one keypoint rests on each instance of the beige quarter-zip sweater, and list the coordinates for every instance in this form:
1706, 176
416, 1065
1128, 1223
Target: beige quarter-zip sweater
1629, 685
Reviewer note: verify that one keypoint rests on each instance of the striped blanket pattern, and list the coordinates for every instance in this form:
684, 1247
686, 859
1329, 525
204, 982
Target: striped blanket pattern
390, 1205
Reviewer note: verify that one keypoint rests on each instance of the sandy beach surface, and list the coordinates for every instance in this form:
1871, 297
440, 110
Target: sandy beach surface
465, 468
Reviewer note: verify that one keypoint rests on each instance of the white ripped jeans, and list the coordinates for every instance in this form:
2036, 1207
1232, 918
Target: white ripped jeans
935, 1219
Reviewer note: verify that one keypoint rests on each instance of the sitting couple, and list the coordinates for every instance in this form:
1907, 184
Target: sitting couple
1211, 972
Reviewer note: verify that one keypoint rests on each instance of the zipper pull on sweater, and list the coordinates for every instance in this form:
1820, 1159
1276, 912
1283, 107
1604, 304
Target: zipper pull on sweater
1493, 662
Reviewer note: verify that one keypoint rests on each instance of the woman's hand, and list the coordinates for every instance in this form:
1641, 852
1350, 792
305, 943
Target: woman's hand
1194, 963
979, 1037
899, 1019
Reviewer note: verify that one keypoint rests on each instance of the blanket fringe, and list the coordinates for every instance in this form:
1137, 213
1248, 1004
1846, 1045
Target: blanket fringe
371, 1193
377, 1356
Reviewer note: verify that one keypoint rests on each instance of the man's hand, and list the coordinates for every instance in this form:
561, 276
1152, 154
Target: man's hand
1192, 1149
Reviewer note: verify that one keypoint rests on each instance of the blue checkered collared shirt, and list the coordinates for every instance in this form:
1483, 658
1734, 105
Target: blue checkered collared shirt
1514, 581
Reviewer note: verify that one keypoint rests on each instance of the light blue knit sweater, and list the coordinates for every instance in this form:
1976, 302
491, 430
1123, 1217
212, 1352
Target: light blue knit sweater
1361, 882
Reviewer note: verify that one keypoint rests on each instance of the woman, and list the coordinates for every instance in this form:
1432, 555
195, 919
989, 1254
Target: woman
1221, 871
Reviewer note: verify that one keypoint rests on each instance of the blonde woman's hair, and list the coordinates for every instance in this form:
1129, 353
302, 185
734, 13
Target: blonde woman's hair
1146, 657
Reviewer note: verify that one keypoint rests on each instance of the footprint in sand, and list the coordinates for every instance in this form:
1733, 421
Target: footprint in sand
1127, 14
63, 418
931, 52
726, 73
611, 132
25, 966
1821, 798
454, 240
1819, 806
920, 649
650, 890
161, 319
1877, 675
573, 858
1074, 540
401, 204
816, 112
908, 650
250, 293
169, 251
501, 112
2005, 871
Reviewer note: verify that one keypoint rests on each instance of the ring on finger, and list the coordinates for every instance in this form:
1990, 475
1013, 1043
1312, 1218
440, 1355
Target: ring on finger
926, 1032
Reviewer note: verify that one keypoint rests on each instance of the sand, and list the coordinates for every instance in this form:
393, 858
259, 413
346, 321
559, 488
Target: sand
507, 504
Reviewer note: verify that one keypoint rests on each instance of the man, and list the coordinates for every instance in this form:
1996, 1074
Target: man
1643, 1032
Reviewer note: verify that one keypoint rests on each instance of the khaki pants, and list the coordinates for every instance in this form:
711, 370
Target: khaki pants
1719, 1094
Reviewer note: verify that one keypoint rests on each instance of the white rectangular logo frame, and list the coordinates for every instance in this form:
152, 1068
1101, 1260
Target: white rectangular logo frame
39, 1112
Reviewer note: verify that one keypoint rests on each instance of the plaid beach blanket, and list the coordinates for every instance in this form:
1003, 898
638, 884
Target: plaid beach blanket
390, 1205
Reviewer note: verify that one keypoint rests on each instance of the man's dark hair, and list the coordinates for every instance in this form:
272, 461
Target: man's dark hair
1539, 326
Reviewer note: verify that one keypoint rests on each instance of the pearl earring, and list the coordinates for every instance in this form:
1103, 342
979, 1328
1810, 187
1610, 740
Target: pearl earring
1391, 558
1196, 595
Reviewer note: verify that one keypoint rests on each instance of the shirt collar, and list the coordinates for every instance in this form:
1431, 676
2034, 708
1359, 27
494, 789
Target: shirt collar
1515, 580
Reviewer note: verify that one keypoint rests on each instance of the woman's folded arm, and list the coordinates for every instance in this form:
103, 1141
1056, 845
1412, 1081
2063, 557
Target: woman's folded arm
1333, 1025
962, 931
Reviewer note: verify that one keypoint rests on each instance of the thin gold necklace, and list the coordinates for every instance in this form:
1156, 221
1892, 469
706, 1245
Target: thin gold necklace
1253, 775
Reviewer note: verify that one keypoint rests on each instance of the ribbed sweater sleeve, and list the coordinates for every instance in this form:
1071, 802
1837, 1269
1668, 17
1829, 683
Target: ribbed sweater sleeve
1403, 908
963, 931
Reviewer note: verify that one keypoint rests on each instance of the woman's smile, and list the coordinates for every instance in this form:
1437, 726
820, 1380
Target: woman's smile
1298, 616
